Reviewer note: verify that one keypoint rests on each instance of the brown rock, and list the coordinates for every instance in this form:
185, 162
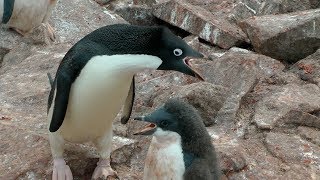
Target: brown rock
232, 159
310, 134
239, 71
301, 118
280, 101
3, 52
244, 9
70, 25
149, 88
309, 68
292, 149
197, 20
207, 98
136, 14
22, 153
288, 37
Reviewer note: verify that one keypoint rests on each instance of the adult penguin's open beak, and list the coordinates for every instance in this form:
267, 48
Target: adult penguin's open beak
192, 71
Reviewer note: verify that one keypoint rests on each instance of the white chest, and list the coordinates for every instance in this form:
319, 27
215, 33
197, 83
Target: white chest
164, 161
98, 94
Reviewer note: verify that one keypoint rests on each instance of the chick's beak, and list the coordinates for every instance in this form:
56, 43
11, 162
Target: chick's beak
149, 129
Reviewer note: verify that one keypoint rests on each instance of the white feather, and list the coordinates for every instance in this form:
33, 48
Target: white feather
164, 160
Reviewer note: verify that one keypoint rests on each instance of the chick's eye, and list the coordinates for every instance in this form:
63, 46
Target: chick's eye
177, 52
164, 123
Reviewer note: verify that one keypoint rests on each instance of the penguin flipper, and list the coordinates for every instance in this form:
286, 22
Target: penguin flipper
129, 103
50, 79
60, 102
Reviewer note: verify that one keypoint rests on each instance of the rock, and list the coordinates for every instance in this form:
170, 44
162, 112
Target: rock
292, 149
244, 9
310, 134
207, 98
197, 20
239, 71
144, 2
16, 56
287, 37
3, 52
301, 118
136, 14
232, 159
122, 151
22, 153
70, 25
102, 2
315, 3
148, 89
281, 100
309, 68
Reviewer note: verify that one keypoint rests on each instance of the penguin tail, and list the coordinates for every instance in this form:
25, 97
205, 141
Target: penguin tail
50, 79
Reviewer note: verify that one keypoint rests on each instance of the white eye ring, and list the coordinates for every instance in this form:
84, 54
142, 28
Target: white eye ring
177, 52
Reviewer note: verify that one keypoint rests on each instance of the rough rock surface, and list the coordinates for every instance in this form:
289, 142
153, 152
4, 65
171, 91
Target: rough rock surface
309, 68
287, 37
207, 98
196, 20
239, 71
71, 20
301, 151
289, 97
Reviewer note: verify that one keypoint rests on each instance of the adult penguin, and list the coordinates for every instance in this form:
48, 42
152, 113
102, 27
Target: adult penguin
25, 15
96, 77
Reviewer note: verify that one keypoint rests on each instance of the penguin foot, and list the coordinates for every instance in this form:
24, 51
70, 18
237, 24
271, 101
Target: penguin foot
51, 32
20, 32
61, 171
104, 170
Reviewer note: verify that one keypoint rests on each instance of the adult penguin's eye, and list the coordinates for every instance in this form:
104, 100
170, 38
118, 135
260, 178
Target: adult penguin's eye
164, 123
177, 52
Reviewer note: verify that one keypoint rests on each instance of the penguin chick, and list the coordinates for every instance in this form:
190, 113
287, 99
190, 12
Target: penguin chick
25, 15
96, 77
181, 147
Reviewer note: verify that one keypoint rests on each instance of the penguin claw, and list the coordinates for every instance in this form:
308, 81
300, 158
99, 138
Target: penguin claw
105, 173
51, 32
61, 171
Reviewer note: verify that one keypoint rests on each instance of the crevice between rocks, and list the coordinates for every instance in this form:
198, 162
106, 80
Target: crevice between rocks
3, 52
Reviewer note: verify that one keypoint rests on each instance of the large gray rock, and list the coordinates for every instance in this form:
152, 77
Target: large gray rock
300, 118
207, 98
287, 37
310, 134
197, 20
292, 149
238, 70
135, 14
74, 19
277, 103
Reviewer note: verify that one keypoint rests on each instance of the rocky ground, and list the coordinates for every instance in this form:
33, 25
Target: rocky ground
260, 101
